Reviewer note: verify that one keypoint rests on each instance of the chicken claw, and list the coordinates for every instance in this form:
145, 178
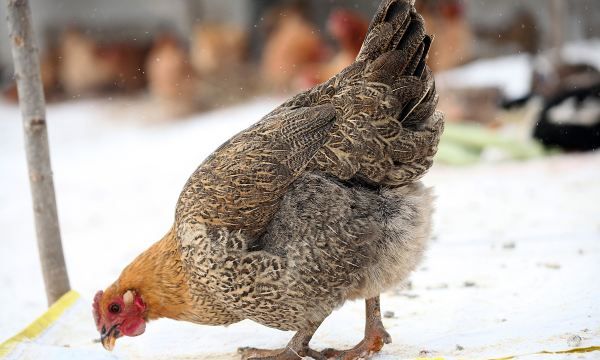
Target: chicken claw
249, 353
296, 349
375, 336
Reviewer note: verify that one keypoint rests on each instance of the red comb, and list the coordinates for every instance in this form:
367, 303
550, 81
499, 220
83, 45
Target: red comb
96, 308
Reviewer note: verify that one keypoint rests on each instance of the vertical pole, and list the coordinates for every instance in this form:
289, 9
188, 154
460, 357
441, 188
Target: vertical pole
558, 11
31, 100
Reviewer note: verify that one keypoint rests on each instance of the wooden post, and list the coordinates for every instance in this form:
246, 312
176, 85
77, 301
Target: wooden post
558, 11
31, 100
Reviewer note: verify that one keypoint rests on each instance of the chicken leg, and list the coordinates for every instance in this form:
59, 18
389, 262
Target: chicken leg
296, 349
375, 336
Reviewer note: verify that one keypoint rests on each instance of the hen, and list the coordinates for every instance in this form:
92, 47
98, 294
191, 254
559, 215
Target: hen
317, 203
172, 81
448, 20
293, 45
89, 66
348, 29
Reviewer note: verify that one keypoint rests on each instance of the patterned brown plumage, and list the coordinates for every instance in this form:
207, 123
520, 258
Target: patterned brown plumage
328, 242
317, 203
375, 121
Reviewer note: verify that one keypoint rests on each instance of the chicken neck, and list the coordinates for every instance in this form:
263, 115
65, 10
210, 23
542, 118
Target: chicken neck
158, 276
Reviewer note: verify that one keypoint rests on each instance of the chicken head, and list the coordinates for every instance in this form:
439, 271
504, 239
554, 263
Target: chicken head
117, 315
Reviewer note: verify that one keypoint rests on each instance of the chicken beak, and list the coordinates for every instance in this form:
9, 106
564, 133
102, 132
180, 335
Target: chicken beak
109, 342
109, 338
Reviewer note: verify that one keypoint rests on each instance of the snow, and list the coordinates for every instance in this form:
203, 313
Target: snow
512, 268
587, 51
512, 74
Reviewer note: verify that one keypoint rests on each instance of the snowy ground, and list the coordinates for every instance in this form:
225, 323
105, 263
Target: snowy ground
513, 268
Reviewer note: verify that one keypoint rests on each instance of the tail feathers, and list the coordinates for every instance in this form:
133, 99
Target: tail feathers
396, 50
389, 23
397, 26
387, 129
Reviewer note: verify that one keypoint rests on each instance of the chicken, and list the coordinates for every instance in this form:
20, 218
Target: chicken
520, 29
49, 78
317, 203
171, 79
448, 21
348, 28
88, 66
219, 54
293, 44
218, 48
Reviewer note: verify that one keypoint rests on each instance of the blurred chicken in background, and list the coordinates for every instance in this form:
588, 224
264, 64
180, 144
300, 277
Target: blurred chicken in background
172, 80
216, 48
89, 66
49, 74
220, 55
348, 28
292, 45
453, 37
520, 32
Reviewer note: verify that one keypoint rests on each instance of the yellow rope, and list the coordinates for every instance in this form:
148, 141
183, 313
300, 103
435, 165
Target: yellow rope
40, 324
569, 351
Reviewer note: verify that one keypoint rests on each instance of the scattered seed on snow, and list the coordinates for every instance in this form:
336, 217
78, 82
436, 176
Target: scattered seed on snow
437, 287
574, 340
509, 245
554, 266
408, 295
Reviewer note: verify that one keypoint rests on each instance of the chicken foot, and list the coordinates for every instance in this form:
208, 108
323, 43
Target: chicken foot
296, 349
375, 336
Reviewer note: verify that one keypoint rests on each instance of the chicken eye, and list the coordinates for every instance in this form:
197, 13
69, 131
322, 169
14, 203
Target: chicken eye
114, 308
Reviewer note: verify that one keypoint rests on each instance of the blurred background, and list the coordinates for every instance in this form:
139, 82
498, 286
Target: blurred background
189, 56
140, 92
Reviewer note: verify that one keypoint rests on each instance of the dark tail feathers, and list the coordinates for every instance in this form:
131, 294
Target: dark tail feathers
397, 26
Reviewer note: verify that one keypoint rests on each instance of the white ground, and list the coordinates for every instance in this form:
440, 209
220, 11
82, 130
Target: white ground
513, 268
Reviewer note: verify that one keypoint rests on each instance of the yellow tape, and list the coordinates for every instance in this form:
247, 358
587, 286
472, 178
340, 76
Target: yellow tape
543, 352
40, 324
573, 351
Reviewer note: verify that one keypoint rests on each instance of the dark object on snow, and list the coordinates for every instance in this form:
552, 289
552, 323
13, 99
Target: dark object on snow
550, 79
571, 120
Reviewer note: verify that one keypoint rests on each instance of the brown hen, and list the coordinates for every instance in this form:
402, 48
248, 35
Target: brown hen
293, 45
348, 28
317, 203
